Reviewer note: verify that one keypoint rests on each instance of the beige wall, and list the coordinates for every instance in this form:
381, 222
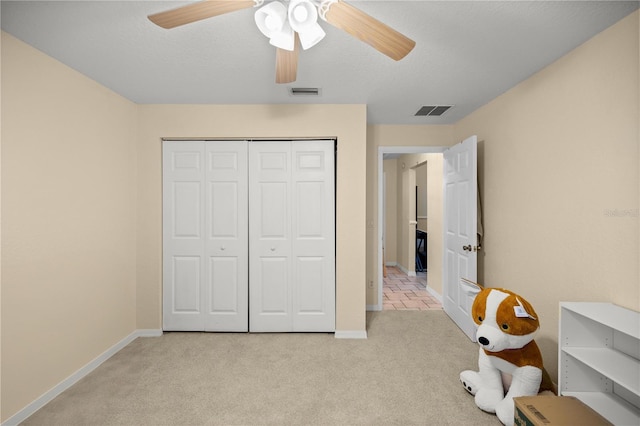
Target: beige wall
390, 168
68, 222
346, 122
392, 136
559, 176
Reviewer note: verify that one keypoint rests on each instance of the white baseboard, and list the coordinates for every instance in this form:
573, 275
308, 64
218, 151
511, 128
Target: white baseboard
435, 294
374, 307
148, 332
406, 271
46, 397
351, 334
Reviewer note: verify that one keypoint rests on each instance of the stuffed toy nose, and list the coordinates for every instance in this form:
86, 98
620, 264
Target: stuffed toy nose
483, 341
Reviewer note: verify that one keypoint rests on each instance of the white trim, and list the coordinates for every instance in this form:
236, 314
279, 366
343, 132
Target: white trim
406, 271
378, 307
435, 294
148, 332
46, 397
351, 334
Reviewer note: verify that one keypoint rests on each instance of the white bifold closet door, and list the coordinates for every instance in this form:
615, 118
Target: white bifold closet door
205, 252
249, 236
292, 236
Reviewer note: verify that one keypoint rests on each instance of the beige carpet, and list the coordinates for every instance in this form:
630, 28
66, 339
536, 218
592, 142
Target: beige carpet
405, 373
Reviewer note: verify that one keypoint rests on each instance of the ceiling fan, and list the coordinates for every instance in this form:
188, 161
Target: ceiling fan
289, 27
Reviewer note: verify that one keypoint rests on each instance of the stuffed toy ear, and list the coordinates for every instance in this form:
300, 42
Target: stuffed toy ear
470, 288
527, 307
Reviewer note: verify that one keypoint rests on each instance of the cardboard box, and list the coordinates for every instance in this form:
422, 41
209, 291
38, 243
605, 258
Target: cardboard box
551, 410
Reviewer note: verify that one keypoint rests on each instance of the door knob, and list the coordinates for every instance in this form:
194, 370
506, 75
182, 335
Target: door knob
273, 249
467, 248
222, 248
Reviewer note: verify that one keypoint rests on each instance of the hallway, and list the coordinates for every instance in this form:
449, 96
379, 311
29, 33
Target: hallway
404, 293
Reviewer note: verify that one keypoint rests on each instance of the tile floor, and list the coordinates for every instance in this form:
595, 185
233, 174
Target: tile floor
404, 293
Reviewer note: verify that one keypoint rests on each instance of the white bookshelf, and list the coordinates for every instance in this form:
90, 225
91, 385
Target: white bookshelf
599, 359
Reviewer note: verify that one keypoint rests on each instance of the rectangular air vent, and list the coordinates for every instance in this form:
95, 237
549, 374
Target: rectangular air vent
432, 111
304, 91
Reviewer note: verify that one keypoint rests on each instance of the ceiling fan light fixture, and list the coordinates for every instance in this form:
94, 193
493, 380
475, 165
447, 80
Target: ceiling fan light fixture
311, 36
302, 15
272, 23
271, 18
283, 39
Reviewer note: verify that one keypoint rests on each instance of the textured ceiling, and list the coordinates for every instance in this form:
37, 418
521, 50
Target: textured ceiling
466, 54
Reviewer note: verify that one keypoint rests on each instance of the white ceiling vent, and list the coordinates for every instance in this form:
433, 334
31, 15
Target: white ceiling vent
304, 91
433, 110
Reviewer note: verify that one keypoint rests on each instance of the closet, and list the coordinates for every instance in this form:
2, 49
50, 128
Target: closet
249, 235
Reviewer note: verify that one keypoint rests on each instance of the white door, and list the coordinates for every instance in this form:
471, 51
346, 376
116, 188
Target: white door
313, 234
270, 236
292, 236
205, 256
460, 227
226, 298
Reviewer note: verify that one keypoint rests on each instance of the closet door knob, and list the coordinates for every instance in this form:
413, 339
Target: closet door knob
222, 248
273, 249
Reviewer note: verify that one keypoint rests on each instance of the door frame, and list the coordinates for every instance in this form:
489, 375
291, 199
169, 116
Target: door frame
414, 149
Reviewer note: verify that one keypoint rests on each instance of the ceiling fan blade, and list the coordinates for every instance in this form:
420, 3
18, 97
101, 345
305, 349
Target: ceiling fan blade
373, 32
287, 63
197, 11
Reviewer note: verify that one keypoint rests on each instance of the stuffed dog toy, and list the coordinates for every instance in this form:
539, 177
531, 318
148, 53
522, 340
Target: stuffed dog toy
510, 362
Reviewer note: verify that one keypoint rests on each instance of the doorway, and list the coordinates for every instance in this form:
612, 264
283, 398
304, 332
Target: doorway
402, 292
402, 275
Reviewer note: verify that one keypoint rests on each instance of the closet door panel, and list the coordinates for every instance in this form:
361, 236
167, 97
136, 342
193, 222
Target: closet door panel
226, 293
223, 199
186, 210
313, 240
310, 276
223, 298
270, 236
186, 284
273, 217
273, 286
183, 235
